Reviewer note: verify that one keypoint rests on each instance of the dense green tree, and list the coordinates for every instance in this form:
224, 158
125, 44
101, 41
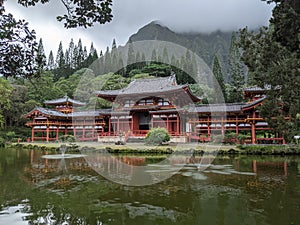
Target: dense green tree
60, 57
236, 73
71, 58
91, 58
217, 71
51, 63
107, 61
130, 58
206, 93
18, 47
5, 92
114, 57
85, 54
13, 114
157, 69
42, 88
121, 67
67, 86
40, 56
80, 55
273, 59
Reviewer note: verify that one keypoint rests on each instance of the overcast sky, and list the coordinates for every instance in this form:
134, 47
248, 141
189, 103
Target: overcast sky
130, 15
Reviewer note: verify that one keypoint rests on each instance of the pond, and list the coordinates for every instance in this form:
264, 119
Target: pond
231, 190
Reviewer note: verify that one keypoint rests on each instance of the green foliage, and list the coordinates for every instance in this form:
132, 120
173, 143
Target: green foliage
16, 60
157, 136
10, 135
230, 138
235, 87
273, 59
157, 69
203, 91
5, 92
67, 138
141, 76
217, 138
242, 138
217, 71
43, 88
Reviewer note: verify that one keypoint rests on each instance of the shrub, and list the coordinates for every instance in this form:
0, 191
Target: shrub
10, 135
217, 138
67, 138
242, 138
157, 136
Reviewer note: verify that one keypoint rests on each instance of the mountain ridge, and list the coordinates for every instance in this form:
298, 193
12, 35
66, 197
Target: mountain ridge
205, 45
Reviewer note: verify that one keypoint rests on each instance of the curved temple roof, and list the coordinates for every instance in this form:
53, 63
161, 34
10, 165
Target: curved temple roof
50, 112
148, 87
64, 100
229, 107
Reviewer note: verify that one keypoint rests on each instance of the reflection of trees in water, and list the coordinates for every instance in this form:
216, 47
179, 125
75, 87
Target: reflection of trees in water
87, 198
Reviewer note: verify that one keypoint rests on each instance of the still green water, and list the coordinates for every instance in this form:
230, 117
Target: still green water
232, 190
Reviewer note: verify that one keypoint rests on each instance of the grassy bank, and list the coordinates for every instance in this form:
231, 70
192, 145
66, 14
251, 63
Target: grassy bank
269, 149
141, 148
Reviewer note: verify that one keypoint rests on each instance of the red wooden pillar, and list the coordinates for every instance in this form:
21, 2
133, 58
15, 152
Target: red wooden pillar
253, 130
236, 125
222, 126
118, 124
208, 130
47, 133
83, 132
74, 131
253, 133
109, 125
32, 134
56, 133
177, 125
131, 127
168, 123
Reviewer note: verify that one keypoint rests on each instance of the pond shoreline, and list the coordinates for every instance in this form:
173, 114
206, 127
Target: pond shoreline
194, 148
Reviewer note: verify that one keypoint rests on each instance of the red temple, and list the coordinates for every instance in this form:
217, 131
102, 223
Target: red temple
150, 103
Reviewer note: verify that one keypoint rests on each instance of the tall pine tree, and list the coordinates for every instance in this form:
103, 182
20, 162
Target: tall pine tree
217, 71
40, 56
51, 63
236, 73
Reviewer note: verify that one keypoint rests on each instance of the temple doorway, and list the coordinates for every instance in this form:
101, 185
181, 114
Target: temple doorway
144, 121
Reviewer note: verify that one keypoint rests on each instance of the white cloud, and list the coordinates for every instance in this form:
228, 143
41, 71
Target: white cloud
130, 15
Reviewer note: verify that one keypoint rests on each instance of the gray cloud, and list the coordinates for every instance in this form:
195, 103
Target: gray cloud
130, 15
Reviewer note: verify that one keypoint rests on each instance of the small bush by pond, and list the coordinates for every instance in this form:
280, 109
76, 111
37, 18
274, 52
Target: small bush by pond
156, 136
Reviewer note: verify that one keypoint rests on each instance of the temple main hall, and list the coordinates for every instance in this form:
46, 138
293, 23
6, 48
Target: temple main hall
149, 103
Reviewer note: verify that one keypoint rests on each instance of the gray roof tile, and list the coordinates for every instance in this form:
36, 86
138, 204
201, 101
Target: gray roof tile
64, 100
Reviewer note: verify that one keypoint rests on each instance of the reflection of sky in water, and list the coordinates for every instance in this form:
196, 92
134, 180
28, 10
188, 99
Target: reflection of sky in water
14, 215
191, 196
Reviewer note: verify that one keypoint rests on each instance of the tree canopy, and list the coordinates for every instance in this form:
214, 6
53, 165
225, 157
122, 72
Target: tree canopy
21, 55
273, 58
80, 13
